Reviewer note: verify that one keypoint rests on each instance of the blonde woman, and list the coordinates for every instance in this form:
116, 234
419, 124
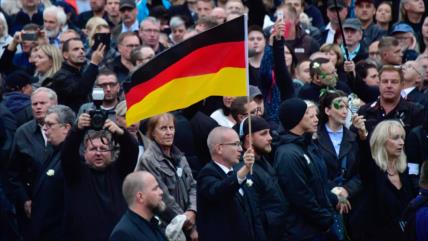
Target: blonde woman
387, 182
5, 38
47, 60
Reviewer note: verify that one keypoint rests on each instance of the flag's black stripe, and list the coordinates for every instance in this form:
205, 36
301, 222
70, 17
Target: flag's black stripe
231, 31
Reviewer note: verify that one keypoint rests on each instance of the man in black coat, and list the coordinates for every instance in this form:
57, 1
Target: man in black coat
301, 174
225, 199
48, 193
270, 199
29, 152
71, 84
144, 198
93, 199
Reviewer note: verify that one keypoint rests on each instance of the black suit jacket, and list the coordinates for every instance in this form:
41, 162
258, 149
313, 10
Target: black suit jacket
28, 154
223, 214
349, 150
48, 201
133, 227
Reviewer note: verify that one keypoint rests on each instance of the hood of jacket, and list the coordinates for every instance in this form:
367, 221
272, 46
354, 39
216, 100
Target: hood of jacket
16, 101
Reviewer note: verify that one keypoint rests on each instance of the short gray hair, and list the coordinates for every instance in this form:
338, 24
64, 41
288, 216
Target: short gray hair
176, 22
64, 114
59, 12
51, 93
150, 19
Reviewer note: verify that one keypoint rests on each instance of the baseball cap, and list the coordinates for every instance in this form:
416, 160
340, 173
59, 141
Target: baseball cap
401, 28
332, 4
353, 23
127, 4
255, 91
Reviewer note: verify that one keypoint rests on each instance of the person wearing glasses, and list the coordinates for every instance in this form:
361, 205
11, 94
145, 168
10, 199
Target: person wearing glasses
225, 193
413, 76
302, 173
48, 192
93, 178
149, 33
170, 167
107, 80
122, 64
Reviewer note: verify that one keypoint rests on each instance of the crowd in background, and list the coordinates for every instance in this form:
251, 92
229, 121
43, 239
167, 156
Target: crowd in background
338, 104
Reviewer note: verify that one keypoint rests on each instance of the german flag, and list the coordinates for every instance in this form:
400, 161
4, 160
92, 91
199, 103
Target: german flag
210, 63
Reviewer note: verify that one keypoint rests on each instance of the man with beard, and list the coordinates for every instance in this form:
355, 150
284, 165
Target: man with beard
270, 198
71, 84
106, 80
144, 198
128, 15
324, 75
54, 20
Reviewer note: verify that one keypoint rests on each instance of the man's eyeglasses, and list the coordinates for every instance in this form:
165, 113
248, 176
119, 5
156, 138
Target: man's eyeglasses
151, 30
99, 149
105, 85
235, 144
132, 46
48, 125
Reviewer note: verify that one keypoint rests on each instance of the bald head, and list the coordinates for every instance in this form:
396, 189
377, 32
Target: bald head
134, 183
216, 137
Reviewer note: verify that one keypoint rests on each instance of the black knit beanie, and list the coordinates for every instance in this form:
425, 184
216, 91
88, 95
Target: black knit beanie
291, 112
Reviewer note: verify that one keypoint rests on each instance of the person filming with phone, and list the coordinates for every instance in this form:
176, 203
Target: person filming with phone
71, 83
17, 54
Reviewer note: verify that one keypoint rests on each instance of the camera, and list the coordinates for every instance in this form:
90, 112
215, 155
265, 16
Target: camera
98, 115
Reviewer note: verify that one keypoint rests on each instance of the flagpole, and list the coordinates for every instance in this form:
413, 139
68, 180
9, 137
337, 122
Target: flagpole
341, 29
248, 83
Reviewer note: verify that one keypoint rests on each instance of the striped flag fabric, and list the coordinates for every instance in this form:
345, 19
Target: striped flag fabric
212, 63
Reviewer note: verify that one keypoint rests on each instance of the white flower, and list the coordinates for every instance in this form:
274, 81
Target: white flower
50, 172
316, 65
249, 182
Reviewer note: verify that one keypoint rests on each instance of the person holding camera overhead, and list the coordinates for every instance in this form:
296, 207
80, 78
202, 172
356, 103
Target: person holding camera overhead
93, 185
73, 85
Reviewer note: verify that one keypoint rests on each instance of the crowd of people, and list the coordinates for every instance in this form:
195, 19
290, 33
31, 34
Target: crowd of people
330, 144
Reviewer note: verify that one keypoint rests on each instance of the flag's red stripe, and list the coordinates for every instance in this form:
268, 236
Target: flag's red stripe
205, 60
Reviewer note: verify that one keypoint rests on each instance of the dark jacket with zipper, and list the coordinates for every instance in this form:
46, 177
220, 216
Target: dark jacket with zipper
303, 180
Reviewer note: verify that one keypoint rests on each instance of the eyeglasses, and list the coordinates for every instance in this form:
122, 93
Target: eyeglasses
48, 125
131, 46
409, 66
151, 30
235, 144
105, 85
99, 149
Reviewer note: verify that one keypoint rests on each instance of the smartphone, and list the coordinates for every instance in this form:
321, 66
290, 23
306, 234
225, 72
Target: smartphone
280, 15
101, 38
29, 36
